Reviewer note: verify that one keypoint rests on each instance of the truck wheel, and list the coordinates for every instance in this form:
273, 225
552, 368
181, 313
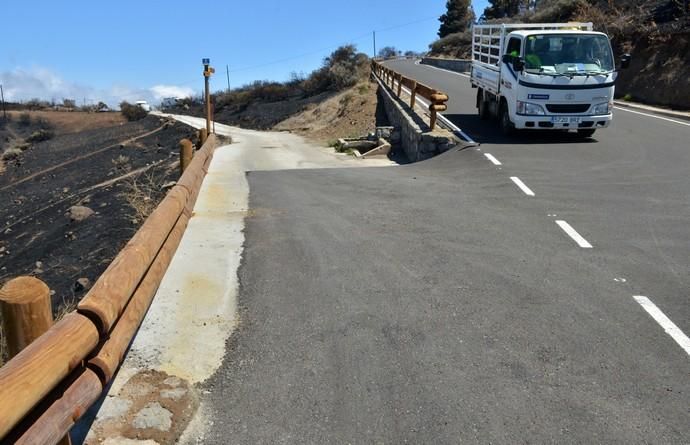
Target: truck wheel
483, 106
586, 133
507, 127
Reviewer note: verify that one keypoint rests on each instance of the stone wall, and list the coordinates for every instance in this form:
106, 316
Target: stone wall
416, 139
457, 65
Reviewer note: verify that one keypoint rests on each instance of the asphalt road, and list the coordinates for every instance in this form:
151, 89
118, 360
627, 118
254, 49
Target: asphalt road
439, 303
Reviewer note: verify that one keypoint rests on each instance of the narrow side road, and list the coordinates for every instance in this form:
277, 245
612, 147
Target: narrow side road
182, 340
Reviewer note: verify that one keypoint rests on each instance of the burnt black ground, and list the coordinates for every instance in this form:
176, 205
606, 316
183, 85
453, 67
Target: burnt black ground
34, 225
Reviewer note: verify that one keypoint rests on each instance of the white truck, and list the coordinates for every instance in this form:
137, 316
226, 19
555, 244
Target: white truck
544, 76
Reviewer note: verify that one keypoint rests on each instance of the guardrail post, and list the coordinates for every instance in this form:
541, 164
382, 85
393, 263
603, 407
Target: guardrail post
203, 135
413, 94
400, 82
186, 150
26, 315
432, 124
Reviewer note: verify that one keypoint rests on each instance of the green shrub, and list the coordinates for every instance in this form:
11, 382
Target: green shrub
554, 11
456, 45
132, 112
627, 97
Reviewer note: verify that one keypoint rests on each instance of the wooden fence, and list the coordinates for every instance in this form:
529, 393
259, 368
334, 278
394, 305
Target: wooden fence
47, 386
437, 99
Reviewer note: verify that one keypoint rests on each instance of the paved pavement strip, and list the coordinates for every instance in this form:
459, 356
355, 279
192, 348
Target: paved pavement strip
194, 312
436, 307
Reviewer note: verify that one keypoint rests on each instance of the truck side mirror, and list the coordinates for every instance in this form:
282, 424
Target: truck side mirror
625, 61
518, 64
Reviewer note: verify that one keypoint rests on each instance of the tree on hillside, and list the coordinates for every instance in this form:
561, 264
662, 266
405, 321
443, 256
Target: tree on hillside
387, 52
458, 17
502, 8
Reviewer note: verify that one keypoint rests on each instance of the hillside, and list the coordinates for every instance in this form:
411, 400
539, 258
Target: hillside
655, 32
335, 100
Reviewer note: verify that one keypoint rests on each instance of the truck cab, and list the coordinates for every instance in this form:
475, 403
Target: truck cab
544, 76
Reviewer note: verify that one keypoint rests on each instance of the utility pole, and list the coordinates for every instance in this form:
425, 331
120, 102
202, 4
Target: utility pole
374, 44
4, 110
227, 71
208, 71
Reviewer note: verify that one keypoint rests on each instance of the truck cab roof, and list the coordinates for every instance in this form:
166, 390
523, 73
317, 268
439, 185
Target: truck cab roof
531, 32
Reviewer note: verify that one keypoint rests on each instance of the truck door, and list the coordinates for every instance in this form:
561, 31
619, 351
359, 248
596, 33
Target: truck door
509, 78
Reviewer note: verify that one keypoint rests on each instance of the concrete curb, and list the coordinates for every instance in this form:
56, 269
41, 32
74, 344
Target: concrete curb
670, 113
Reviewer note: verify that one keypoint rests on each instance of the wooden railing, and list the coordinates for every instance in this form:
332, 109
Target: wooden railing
47, 386
437, 99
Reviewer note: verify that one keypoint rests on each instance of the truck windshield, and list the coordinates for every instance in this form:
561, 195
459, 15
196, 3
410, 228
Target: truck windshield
568, 54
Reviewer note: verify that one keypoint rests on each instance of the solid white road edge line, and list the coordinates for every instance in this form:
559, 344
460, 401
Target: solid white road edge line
419, 62
491, 158
670, 327
522, 186
567, 228
687, 124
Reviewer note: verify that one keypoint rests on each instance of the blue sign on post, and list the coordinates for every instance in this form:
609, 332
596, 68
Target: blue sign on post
206, 61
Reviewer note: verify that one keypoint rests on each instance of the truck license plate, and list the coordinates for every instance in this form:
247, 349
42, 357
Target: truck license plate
565, 120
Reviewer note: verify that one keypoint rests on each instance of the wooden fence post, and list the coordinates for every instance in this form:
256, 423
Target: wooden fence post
26, 315
432, 124
413, 95
203, 135
186, 151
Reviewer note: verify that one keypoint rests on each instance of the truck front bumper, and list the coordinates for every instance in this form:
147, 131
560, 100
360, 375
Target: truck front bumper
561, 122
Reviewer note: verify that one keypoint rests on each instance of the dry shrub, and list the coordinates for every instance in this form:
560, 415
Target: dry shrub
141, 193
40, 136
24, 119
65, 308
132, 112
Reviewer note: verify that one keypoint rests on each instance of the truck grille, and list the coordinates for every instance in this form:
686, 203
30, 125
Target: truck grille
567, 108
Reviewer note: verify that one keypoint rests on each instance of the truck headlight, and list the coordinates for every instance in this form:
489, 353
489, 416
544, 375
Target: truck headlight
604, 108
529, 108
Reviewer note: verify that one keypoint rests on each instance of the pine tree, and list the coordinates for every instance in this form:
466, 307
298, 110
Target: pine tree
502, 8
457, 18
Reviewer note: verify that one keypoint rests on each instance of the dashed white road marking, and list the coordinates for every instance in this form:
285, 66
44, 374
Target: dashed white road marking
687, 124
492, 158
522, 186
567, 228
670, 327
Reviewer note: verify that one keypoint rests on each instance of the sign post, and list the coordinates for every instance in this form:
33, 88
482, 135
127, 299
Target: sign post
208, 71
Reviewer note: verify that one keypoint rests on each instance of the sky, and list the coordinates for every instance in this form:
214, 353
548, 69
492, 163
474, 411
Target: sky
149, 49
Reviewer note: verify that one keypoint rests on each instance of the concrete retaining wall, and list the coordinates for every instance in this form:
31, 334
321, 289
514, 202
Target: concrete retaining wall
416, 139
457, 65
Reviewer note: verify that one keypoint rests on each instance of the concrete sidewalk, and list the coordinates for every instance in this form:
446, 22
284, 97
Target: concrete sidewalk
182, 340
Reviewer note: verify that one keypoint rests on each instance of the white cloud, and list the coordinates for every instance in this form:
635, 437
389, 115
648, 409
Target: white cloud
23, 84
161, 91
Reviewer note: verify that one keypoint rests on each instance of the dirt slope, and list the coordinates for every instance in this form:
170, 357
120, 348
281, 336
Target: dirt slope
350, 113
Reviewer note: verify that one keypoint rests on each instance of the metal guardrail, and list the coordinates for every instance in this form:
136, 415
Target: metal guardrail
437, 99
49, 385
